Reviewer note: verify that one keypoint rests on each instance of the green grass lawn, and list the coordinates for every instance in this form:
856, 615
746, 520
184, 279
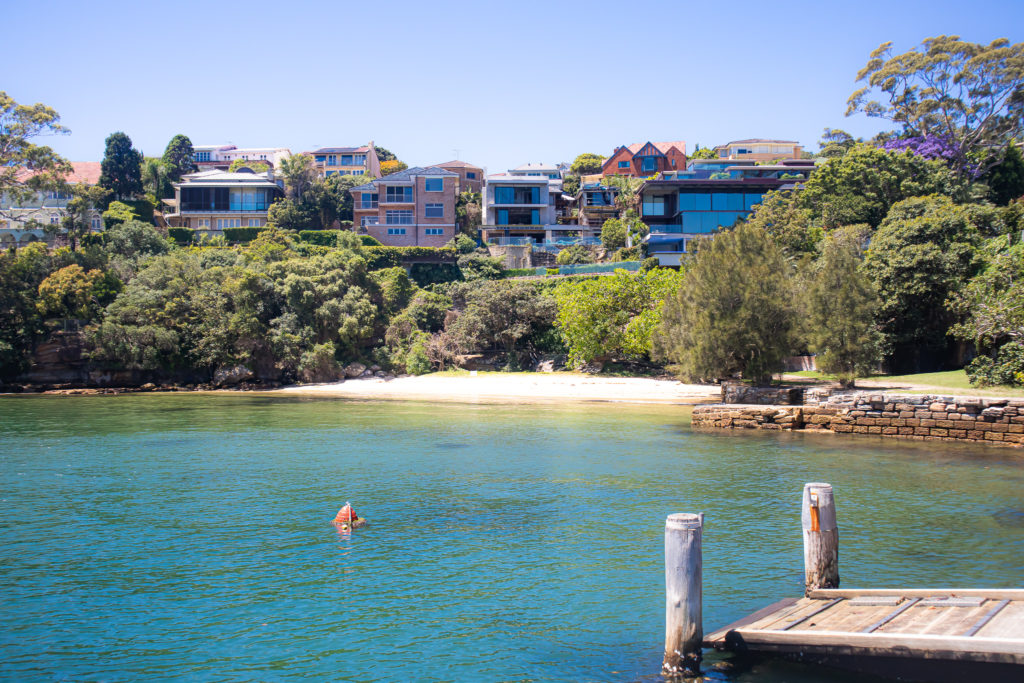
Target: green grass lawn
953, 380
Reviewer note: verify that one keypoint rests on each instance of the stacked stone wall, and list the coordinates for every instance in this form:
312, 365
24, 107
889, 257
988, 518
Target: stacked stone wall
947, 418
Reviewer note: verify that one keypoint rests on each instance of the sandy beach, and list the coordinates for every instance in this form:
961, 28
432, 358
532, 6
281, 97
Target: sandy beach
498, 387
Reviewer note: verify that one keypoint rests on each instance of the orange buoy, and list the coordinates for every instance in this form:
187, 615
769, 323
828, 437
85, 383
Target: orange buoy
346, 514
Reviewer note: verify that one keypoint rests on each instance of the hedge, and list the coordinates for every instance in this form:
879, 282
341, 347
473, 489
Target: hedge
520, 272
389, 257
182, 236
329, 238
241, 235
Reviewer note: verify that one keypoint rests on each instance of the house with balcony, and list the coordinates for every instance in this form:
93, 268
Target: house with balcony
711, 195
411, 208
25, 221
645, 159
596, 204
220, 157
759, 149
210, 201
525, 208
471, 178
346, 161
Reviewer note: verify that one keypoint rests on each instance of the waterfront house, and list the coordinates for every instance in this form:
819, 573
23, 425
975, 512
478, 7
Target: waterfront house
646, 159
220, 157
210, 201
525, 208
759, 149
471, 178
346, 161
711, 194
22, 222
414, 207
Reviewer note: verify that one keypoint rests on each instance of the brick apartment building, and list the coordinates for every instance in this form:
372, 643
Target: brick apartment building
415, 207
346, 161
471, 178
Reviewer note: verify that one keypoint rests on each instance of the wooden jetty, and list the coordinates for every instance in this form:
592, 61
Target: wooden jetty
912, 634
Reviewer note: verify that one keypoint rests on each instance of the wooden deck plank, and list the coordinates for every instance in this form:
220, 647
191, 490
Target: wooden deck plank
802, 607
900, 645
773, 610
989, 616
934, 620
1009, 623
848, 617
992, 593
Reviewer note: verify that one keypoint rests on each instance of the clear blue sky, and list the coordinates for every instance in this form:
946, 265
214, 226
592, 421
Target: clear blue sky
504, 83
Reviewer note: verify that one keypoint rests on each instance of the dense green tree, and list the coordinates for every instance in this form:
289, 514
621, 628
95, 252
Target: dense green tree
922, 254
21, 324
860, 186
1006, 179
586, 164
734, 311
155, 179
73, 292
121, 168
702, 153
571, 184
498, 315
841, 307
613, 234
786, 223
613, 317
462, 244
836, 142
967, 94
299, 173
289, 214
480, 267
341, 188
25, 167
384, 154
991, 306
178, 158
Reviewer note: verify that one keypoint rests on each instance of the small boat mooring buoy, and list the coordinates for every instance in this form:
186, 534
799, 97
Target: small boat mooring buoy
348, 519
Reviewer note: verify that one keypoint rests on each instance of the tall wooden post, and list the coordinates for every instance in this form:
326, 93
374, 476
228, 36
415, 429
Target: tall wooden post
684, 633
821, 538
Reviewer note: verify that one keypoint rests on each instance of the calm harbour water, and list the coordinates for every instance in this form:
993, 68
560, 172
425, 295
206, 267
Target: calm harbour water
187, 537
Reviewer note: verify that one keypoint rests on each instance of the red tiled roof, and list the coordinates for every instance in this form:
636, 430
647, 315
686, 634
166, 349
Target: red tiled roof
663, 147
87, 172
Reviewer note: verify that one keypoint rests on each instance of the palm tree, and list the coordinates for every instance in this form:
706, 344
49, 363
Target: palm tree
299, 173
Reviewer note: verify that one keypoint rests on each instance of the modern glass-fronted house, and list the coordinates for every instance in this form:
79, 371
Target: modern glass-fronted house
680, 207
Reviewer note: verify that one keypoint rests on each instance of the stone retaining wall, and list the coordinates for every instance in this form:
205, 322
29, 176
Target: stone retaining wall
949, 418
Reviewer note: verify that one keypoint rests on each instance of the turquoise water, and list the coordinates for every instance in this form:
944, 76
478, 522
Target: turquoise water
187, 537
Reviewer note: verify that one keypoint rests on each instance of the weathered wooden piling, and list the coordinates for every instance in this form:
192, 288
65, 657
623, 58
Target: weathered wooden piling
684, 632
821, 538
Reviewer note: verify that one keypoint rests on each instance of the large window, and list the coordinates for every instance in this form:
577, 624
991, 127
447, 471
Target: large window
359, 160
254, 222
433, 184
248, 200
369, 200
470, 175
346, 159
228, 223
398, 217
518, 217
398, 194
201, 156
369, 220
718, 201
517, 195
332, 159
649, 164
654, 206
623, 164
434, 211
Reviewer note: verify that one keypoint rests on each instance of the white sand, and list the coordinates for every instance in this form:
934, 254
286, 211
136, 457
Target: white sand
516, 387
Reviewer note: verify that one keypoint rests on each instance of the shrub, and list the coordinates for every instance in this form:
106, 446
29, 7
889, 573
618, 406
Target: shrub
369, 240
416, 361
627, 254
1006, 368
463, 244
241, 235
386, 257
649, 263
577, 253
323, 238
143, 208
551, 271
476, 267
118, 212
520, 272
182, 236
319, 365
